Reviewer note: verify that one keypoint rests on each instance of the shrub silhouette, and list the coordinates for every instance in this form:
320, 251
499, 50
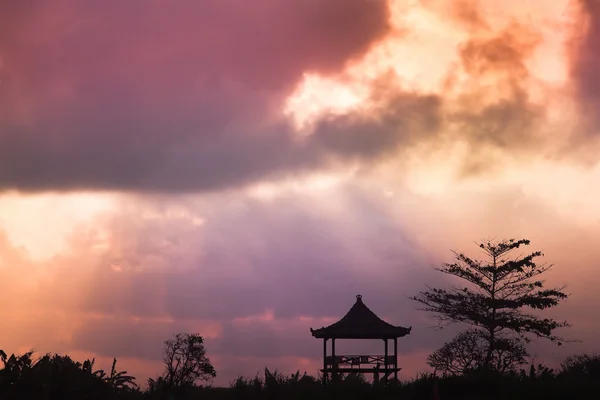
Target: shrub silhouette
53, 377
59, 377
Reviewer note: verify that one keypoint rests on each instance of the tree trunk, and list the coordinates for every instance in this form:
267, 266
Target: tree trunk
490, 351
492, 326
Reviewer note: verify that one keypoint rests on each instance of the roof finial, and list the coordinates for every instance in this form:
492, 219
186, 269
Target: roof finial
358, 298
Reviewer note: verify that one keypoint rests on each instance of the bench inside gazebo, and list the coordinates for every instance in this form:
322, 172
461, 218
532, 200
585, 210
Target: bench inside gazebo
360, 323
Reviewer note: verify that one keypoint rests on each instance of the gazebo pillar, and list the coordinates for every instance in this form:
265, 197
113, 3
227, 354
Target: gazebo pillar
333, 363
396, 359
385, 362
324, 361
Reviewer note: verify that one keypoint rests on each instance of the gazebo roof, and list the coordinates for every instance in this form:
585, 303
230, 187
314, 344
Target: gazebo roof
360, 323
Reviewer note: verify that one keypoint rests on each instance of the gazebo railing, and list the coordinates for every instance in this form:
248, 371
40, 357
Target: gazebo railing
357, 361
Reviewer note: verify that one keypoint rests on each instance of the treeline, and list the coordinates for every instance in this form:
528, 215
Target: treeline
59, 377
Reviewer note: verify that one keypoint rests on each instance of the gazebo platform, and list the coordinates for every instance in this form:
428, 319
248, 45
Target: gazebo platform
360, 370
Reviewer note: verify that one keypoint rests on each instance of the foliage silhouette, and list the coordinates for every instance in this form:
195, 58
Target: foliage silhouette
581, 365
58, 377
185, 363
468, 350
503, 288
118, 381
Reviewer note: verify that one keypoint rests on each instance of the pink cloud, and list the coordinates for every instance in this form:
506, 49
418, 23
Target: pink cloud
144, 92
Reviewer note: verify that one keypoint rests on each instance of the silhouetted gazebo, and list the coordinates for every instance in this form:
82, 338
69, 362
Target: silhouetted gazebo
360, 323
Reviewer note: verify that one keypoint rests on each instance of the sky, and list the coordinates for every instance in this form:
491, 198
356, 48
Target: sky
244, 169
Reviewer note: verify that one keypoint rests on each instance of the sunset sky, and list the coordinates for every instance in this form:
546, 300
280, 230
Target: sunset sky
242, 169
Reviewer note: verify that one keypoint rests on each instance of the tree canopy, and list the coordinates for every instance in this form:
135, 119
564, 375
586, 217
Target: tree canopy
185, 363
504, 290
467, 352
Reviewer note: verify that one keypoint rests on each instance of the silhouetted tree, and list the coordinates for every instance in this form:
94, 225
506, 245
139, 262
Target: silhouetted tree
467, 352
51, 376
118, 381
504, 288
581, 365
540, 372
15, 369
185, 363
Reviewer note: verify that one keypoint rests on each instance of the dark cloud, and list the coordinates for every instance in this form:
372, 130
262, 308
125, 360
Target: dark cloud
135, 43
145, 95
403, 119
171, 159
187, 98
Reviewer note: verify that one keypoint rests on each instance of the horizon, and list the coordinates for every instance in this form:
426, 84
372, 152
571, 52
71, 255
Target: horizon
243, 171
